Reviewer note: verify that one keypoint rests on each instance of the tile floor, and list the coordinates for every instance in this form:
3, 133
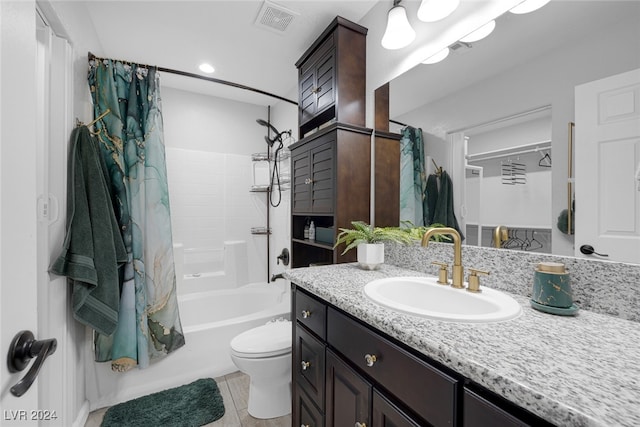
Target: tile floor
234, 389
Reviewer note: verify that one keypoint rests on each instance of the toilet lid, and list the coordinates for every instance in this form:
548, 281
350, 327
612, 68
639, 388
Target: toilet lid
272, 339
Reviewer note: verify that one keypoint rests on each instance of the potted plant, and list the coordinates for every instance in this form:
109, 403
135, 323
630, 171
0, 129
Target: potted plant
369, 242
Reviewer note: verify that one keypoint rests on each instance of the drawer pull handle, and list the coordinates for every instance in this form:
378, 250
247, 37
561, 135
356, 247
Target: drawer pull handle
306, 314
361, 424
305, 365
305, 425
370, 359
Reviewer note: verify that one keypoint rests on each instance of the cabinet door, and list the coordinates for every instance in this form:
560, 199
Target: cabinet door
307, 95
322, 179
305, 413
386, 414
348, 395
325, 82
309, 365
301, 185
479, 412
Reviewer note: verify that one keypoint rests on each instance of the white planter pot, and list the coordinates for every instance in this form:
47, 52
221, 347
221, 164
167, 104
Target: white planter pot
370, 255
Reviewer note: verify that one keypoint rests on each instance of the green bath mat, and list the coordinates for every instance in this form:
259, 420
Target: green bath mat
190, 405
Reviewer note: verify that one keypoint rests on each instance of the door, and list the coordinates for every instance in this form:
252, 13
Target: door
35, 123
18, 249
607, 171
348, 395
386, 414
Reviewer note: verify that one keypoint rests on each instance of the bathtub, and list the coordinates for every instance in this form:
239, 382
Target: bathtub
210, 319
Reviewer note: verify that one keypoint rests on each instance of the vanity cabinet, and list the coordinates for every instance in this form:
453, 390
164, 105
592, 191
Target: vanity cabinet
332, 76
346, 373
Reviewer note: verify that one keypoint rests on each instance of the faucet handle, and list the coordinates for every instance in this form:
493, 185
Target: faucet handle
474, 279
443, 274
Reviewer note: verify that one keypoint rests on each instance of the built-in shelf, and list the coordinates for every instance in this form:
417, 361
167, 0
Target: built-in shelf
259, 188
314, 243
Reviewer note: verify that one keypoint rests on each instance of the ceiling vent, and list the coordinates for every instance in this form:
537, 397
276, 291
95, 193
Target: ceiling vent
275, 17
460, 47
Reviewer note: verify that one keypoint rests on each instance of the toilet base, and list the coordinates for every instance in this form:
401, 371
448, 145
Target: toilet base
269, 400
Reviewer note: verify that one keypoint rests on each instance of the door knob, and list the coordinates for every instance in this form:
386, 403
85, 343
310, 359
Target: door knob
23, 348
588, 250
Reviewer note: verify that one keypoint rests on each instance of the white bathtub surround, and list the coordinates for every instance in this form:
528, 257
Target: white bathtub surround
570, 370
207, 269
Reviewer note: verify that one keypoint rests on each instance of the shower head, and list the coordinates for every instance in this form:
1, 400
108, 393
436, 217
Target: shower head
268, 125
277, 136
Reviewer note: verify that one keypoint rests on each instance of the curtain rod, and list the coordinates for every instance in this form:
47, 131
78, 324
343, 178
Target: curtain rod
398, 123
91, 56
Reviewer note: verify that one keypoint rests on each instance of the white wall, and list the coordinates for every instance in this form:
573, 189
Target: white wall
549, 80
209, 144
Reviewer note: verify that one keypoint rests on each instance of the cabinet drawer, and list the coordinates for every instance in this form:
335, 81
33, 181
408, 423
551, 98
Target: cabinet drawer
428, 391
307, 413
309, 365
311, 313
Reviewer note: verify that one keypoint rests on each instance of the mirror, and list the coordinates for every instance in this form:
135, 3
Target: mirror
527, 68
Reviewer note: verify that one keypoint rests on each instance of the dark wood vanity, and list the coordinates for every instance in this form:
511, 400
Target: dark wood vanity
346, 373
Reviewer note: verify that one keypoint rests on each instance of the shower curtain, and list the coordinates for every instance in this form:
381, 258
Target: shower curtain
132, 143
413, 180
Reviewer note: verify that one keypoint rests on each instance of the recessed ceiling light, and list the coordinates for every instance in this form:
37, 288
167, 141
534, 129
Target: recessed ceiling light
480, 33
437, 57
206, 68
528, 6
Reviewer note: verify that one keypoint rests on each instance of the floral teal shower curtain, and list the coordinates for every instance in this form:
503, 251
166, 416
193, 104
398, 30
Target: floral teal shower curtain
413, 179
132, 143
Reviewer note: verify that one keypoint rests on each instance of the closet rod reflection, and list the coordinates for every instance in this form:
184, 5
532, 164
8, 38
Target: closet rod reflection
198, 76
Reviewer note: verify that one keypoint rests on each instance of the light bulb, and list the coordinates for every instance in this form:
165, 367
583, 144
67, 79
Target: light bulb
435, 10
399, 32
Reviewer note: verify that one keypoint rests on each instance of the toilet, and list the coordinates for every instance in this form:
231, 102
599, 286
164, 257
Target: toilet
264, 353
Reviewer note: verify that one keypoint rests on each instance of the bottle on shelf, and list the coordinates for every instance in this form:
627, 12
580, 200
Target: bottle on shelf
306, 229
312, 231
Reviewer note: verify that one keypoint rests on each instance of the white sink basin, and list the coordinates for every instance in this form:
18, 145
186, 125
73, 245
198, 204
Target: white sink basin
423, 296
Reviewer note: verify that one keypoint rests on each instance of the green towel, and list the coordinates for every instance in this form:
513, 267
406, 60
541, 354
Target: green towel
432, 199
444, 213
93, 247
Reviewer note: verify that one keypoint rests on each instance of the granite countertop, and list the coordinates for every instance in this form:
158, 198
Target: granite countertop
581, 370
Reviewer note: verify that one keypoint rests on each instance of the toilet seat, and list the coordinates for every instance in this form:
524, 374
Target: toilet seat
272, 339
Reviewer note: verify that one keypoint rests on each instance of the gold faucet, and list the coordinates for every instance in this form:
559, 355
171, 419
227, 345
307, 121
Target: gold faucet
458, 271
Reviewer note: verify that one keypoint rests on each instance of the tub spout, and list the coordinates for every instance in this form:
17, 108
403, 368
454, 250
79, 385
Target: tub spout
276, 277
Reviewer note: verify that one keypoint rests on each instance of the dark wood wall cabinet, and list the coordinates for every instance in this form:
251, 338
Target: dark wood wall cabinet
346, 373
331, 180
331, 163
332, 76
